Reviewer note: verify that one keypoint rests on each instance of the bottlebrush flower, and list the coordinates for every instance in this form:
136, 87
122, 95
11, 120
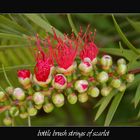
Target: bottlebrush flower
81, 85
19, 94
59, 81
44, 66
65, 53
24, 77
106, 62
90, 50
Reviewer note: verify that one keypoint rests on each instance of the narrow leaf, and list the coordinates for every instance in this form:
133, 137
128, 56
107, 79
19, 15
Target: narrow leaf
123, 37
104, 104
113, 108
137, 96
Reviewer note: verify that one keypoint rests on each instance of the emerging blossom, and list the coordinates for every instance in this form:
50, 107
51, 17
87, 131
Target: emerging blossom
19, 94
59, 81
44, 66
65, 53
106, 62
24, 77
38, 98
90, 50
81, 85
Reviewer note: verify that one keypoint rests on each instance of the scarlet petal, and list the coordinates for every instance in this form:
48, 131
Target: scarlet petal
84, 86
24, 73
60, 79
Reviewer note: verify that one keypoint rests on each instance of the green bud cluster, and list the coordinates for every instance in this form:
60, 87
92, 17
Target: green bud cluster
88, 80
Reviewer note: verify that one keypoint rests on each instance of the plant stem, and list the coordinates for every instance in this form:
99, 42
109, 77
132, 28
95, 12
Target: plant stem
72, 24
29, 121
13, 122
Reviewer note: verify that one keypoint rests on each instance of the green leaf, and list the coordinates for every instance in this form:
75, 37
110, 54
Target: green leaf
137, 96
113, 108
43, 24
13, 25
123, 37
99, 102
104, 104
135, 24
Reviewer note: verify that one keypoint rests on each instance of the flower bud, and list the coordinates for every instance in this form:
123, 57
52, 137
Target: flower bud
85, 67
38, 107
48, 107
102, 77
7, 121
59, 81
93, 92
105, 91
116, 83
72, 98
81, 86
130, 78
23, 115
2, 96
121, 61
58, 99
19, 94
67, 71
94, 61
32, 111
122, 87
10, 90
14, 111
83, 97
38, 98
42, 83
106, 62
24, 77
122, 69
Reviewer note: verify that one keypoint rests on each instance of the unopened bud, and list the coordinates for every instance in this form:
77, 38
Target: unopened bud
72, 98
2, 96
121, 61
105, 91
32, 111
19, 94
83, 97
122, 87
7, 121
23, 115
9, 90
116, 83
81, 86
122, 69
59, 81
48, 107
130, 78
102, 77
93, 92
58, 99
106, 62
38, 98
85, 67
14, 111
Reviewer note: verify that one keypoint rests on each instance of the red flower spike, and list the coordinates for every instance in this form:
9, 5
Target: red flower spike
90, 49
23, 73
44, 63
65, 53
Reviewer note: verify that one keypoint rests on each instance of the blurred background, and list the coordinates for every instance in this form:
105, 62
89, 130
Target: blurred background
15, 53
